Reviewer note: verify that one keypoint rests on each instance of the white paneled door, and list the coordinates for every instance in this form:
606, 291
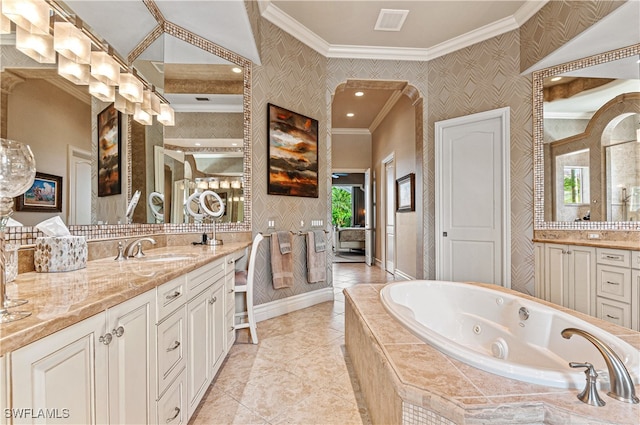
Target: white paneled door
368, 218
390, 214
472, 198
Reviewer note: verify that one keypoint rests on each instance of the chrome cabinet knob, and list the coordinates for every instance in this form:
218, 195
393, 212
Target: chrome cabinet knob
118, 332
106, 339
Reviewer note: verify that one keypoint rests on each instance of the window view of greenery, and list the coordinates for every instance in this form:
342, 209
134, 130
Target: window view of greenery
341, 206
576, 185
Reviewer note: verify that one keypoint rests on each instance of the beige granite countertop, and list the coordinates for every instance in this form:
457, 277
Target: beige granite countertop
597, 243
58, 300
426, 377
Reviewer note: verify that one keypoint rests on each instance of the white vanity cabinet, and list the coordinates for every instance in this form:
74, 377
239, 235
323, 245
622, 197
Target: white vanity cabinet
614, 286
635, 290
97, 371
569, 273
206, 333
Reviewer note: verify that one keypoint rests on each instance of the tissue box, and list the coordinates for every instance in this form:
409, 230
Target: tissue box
60, 253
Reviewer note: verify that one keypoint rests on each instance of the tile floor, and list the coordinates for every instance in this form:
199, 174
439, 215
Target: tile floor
299, 373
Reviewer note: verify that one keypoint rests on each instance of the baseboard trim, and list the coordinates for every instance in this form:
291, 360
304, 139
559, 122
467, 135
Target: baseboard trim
277, 308
402, 275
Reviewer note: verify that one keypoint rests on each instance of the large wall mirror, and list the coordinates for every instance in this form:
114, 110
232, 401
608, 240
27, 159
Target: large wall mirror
208, 148
587, 143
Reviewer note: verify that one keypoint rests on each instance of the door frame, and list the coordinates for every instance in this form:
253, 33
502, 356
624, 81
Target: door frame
75, 155
504, 115
383, 213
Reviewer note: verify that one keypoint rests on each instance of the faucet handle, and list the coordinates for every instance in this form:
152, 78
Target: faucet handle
139, 253
121, 256
590, 393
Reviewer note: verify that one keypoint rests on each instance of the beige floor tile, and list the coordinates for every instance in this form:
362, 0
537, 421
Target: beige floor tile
299, 373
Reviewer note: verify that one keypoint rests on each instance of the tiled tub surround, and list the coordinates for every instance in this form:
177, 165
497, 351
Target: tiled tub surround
405, 380
59, 300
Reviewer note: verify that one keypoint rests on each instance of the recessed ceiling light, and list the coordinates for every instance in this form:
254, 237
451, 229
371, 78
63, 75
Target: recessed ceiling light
234, 144
350, 114
236, 70
197, 144
359, 93
556, 79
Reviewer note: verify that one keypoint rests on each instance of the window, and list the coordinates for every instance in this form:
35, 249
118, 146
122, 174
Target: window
576, 185
341, 206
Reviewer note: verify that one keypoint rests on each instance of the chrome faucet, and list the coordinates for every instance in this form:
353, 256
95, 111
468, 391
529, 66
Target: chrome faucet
620, 382
137, 245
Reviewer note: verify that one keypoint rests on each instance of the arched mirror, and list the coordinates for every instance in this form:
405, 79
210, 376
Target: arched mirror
586, 143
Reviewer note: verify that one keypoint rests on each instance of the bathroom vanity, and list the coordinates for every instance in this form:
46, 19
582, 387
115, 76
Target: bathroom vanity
136, 341
601, 279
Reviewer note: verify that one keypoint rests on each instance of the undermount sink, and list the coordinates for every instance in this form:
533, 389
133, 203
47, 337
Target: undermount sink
162, 258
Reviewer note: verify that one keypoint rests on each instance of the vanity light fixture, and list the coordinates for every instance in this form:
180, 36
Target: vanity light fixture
166, 116
104, 68
37, 46
130, 87
70, 42
150, 102
124, 105
5, 24
102, 91
141, 116
75, 72
30, 15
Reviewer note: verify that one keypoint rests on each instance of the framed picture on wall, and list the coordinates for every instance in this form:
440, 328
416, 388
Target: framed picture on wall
293, 153
406, 193
44, 195
109, 152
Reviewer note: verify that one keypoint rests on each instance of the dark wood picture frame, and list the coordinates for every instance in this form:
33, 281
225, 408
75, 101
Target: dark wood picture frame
44, 195
292, 153
109, 148
406, 193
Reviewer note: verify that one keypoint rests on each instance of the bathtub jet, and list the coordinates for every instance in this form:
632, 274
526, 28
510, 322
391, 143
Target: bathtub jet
486, 328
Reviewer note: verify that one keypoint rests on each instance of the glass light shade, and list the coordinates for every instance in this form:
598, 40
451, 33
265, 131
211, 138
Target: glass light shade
31, 15
130, 87
224, 184
37, 47
102, 91
17, 172
141, 116
123, 105
213, 184
202, 185
5, 25
77, 73
235, 184
166, 116
71, 42
150, 103
104, 68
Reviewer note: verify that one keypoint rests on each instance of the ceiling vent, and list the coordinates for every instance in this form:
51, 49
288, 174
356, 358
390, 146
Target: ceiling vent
202, 99
391, 19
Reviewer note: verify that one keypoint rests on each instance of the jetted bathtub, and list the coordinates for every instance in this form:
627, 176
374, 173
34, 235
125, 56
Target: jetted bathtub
485, 328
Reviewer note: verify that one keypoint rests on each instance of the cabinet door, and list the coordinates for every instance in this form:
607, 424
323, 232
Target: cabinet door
538, 250
581, 279
65, 374
219, 330
172, 406
172, 348
614, 312
635, 300
198, 354
555, 272
132, 361
4, 390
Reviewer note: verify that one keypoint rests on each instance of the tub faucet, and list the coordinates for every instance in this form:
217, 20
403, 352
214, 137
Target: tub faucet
620, 382
137, 245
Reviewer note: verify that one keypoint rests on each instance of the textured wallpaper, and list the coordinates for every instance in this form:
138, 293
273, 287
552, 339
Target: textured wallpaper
293, 77
479, 78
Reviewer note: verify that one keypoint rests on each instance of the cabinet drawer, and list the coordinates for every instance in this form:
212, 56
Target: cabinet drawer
635, 259
613, 257
169, 297
614, 312
614, 282
201, 278
230, 328
172, 406
171, 348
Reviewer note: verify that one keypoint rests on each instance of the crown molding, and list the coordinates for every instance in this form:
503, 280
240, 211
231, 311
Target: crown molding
393, 99
288, 24
351, 131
